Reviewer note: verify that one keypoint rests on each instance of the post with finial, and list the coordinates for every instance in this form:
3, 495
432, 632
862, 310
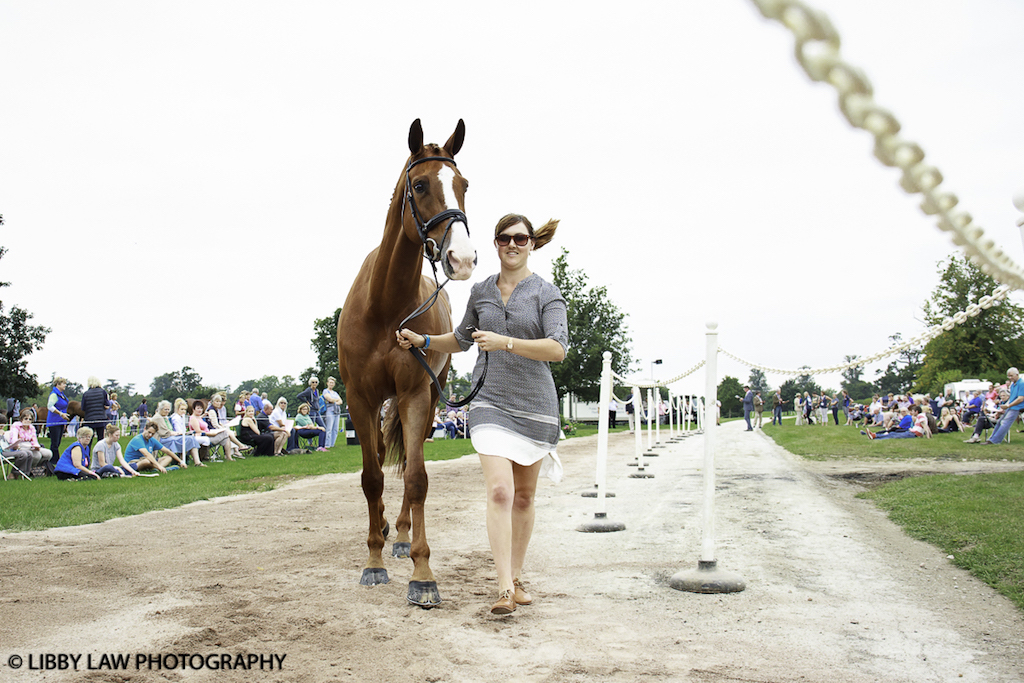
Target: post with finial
708, 577
601, 523
1018, 201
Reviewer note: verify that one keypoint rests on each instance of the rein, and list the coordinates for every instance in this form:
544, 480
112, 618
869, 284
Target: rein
433, 253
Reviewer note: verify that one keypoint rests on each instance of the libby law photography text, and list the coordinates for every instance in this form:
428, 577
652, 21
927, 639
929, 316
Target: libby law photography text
50, 661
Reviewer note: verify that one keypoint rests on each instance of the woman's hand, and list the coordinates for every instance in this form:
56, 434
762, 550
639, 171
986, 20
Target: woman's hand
490, 341
409, 339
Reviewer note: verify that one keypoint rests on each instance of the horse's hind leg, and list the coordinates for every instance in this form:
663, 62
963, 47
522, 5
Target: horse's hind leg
402, 544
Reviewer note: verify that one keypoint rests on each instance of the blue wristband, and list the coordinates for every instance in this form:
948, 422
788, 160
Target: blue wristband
426, 341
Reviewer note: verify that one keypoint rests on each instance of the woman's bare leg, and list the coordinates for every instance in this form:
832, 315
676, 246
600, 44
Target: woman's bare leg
500, 484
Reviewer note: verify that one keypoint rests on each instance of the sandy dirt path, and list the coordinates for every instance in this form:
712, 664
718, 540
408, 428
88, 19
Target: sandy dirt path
835, 592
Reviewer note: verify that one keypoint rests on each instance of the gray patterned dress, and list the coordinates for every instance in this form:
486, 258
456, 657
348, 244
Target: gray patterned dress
517, 404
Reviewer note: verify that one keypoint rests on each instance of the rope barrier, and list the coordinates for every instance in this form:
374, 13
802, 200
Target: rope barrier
658, 383
986, 302
817, 51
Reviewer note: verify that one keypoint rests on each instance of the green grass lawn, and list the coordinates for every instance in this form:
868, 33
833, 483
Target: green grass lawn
46, 502
832, 443
978, 519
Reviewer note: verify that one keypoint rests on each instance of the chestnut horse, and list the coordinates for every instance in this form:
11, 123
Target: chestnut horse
425, 218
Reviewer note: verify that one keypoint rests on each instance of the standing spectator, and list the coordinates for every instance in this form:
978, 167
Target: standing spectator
122, 423
748, 406
56, 420
13, 409
758, 409
255, 401
95, 404
777, 404
1010, 408
630, 410
613, 408
143, 412
833, 404
133, 424
332, 415
798, 408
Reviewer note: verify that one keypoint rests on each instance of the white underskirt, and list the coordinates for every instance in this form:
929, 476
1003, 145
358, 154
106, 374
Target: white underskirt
502, 443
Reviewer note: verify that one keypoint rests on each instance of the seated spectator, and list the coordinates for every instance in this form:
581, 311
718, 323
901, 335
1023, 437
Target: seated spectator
180, 422
217, 418
989, 416
21, 458
974, 406
197, 424
948, 422
142, 450
312, 396
108, 452
74, 461
274, 421
241, 403
918, 428
22, 437
249, 433
175, 440
451, 425
307, 429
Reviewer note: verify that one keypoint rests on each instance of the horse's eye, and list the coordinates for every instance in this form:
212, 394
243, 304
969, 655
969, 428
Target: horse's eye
420, 186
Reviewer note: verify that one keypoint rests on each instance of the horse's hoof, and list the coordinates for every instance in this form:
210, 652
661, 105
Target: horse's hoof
424, 594
401, 549
387, 529
373, 576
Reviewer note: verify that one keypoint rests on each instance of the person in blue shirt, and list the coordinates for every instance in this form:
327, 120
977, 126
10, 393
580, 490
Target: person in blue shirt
974, 406
141, 453
1011, 407
74, 461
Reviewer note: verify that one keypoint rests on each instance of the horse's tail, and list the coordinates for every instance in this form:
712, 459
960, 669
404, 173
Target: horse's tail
394, 443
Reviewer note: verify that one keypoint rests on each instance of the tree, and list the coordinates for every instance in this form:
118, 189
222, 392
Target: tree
899, 374
758, 382
184, 382
852, 382
18, 339
596, 325
730, 393
325, 344
799, 385
981, 347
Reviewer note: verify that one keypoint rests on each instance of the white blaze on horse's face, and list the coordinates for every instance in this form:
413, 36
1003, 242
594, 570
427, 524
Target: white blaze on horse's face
459, 251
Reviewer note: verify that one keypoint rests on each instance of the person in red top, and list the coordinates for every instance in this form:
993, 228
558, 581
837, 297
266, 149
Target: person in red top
920, 427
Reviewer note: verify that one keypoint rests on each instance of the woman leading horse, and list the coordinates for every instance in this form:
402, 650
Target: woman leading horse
425, 219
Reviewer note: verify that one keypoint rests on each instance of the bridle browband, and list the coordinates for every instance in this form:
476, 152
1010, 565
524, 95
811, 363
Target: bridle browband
434, 253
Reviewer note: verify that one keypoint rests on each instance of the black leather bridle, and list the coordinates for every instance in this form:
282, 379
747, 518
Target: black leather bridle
434, 253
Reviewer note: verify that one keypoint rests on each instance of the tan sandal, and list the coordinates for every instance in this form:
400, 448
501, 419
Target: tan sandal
505, 604
520, 595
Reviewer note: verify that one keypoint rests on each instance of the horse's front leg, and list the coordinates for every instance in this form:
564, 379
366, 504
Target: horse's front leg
374, 572
402, 545
422, 586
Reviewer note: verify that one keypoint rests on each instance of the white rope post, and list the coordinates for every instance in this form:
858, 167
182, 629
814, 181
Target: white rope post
640, 464
708, 578
600, 522
671, 416
651, 410
657, 419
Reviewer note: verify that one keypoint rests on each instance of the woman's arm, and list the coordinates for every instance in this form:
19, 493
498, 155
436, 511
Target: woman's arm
533, 349
442, 343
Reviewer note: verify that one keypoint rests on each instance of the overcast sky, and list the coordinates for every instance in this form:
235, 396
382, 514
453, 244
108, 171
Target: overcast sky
193, 183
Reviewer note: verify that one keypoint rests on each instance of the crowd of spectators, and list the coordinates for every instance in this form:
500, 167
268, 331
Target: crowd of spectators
178, 434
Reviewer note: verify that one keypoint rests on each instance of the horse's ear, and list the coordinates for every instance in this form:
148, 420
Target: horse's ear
454, 143
415, 137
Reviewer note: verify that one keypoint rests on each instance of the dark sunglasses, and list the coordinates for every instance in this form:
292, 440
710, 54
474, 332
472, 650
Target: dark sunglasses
521, 239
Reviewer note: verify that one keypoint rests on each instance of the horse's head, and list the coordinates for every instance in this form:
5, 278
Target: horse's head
436, 193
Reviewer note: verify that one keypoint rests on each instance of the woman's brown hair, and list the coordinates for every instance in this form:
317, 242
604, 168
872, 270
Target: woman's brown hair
541, 236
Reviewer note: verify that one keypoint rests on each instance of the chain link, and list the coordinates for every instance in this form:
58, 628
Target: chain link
817, 50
